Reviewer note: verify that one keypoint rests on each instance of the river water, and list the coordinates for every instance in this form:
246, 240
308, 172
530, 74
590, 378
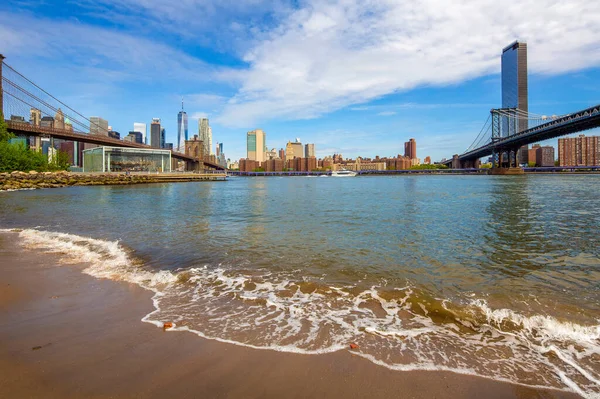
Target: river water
492, 276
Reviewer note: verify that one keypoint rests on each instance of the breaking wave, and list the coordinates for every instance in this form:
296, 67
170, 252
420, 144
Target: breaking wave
402, 328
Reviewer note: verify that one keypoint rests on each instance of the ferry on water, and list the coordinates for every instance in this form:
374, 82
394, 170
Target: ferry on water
343, 173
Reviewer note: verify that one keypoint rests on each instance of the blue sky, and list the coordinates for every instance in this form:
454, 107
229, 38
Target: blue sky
356, 77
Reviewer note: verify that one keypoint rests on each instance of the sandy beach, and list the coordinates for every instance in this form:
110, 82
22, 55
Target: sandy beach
65, 334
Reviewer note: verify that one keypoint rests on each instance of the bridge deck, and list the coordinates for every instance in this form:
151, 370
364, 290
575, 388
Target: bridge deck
31, 130
586, 119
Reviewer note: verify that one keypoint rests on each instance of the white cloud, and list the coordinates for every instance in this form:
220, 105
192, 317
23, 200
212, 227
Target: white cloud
332, 53
387, 113
98, 54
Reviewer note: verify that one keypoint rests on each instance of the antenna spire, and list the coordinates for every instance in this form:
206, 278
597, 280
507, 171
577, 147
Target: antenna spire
182, 103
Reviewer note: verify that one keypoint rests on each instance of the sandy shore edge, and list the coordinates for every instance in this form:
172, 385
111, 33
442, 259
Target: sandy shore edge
64, 334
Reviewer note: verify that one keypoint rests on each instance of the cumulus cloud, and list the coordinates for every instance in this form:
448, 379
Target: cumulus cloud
98, 53
329, 54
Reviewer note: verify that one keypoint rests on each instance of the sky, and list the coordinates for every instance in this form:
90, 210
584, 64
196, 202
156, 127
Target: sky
357, 77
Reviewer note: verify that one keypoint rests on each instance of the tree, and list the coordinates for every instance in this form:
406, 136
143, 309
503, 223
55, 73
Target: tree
5, 135
60, 161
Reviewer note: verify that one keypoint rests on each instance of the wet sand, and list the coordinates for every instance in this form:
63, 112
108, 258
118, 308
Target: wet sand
64, 334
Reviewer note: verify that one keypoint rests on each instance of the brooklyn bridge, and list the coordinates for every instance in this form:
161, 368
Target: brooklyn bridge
21, 98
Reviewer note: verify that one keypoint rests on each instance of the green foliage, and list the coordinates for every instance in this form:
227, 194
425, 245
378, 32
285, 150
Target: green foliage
428, 167
5, 135
60, 161
531, 164
556, 163
485, 166
16, 156
258, 170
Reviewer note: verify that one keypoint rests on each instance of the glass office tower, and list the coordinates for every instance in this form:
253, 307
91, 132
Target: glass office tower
514, 87
182, 130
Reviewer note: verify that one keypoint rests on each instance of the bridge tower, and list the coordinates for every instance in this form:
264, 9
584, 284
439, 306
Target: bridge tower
505, 159
1, 89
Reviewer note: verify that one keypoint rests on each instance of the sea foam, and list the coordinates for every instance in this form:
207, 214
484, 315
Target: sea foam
284, 312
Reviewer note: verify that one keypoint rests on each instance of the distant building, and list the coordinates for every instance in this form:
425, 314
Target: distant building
256, 145
309, 150
302, 164
59, 120
113, 134
532, 153
35, 116
274, 165
294, 150
427, 160
544, 156
141, 128
47, 121
410, 149
398, 163
514, 85
182, 129
70, 149
205, 135
163, 137
523, 155
169, 146
579, 151
134, 137
248, 165
282, 153
289, 152
98, 126
155, 133
17, 118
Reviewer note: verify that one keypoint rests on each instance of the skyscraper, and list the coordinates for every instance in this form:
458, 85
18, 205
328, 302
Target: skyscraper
59, 120
514, 85
297, 149
98, 126
163, 137
155, 133
309, 150
579, 151
35, 116
205, 134
210, 140
182, 129
141, 128
256, 143
410, 149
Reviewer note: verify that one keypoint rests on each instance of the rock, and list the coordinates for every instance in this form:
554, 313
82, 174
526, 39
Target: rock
353, 346
33, 172
167, 325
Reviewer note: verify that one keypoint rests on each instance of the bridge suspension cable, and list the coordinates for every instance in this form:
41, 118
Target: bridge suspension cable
25, 92
482, 134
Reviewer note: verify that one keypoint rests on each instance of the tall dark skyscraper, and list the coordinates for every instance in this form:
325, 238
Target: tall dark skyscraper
182, 129
410, 149
155, 133
163, 137
514, 85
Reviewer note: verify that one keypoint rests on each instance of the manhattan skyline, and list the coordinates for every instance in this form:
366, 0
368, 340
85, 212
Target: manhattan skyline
441, 94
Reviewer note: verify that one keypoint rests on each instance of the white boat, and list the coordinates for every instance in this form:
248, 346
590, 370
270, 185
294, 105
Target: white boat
343, 173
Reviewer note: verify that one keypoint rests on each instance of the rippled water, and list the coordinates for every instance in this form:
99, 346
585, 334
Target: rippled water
494, 276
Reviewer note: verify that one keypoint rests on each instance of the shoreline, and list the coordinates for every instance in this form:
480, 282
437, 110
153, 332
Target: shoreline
15, 181
66, 334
